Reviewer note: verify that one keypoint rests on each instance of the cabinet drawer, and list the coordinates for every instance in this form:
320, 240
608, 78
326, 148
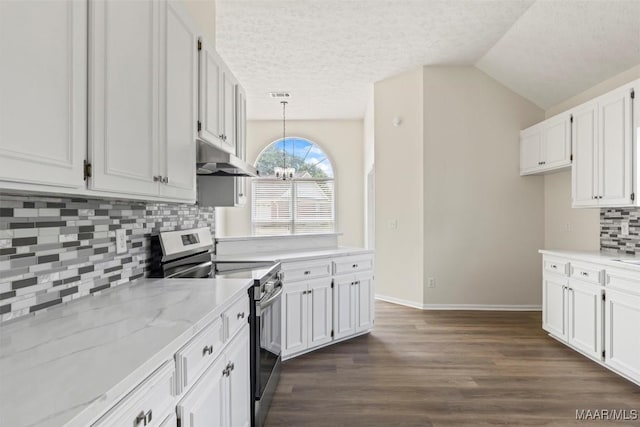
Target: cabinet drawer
147, 404
623, 280
194, 358
556, 266
236, 316
587, 273
352, 264
305, 270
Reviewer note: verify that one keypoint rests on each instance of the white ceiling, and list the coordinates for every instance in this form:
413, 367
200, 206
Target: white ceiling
328, 53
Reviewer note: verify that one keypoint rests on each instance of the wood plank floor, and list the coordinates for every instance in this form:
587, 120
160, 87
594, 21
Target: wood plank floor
447, 368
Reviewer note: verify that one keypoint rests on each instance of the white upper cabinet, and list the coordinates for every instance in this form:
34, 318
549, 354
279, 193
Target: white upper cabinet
181, 58
209, 107
217, 106
603, 129
546, 146
43, 90
142, 86
124, 96
584, 135
615, 132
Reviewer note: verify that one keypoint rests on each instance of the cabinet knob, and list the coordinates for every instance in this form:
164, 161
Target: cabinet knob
165, 180
240, 315
584, 273
355, 265
207, 350
157, 178
306, 273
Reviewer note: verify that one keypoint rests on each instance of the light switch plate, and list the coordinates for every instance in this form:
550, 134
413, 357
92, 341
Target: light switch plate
121, 241
625, 228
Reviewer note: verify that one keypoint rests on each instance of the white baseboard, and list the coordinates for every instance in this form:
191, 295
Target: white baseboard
470, 307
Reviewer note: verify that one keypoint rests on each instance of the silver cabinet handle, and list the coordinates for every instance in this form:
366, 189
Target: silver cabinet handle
157, 178
165, 180
144, 418
306, 273
584, 273
554, 266
207, 350
355, 266
240, 315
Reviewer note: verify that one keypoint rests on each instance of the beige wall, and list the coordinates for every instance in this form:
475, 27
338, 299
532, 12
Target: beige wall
567, 228
399, 193
342, 141
483, 223
204, 16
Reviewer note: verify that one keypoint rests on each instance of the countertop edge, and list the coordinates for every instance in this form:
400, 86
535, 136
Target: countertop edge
597, 257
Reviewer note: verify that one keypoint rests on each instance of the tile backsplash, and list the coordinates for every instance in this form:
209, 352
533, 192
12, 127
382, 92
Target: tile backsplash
611, 238
53, 250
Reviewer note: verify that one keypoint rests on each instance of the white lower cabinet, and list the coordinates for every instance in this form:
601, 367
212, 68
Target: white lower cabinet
554, 319
307, 309
585, 317
221, 397
353, 304
318, 308
622, 334
601, 321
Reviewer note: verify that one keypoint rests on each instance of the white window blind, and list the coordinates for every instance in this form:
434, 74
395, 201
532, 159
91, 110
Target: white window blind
293, 207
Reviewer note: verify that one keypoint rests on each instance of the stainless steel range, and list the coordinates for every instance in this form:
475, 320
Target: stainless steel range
188, 254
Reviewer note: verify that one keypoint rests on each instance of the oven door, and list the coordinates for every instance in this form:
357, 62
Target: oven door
268, 357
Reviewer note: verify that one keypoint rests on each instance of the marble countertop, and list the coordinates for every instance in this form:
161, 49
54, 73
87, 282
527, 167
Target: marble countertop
298, 255
71, 363
609, 258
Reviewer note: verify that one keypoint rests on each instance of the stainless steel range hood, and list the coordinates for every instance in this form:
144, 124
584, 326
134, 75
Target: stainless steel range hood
212, 161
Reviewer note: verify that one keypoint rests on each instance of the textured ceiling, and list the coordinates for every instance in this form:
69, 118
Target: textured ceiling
328, 53
558, 49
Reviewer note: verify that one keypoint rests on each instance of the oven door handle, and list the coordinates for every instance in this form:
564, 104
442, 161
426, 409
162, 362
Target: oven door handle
272, 299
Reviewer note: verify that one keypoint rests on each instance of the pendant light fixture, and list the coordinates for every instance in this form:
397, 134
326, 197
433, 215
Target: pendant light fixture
285, 172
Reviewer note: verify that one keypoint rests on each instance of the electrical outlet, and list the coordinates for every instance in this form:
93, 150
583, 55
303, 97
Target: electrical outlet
624, 228
121, 241
431, 282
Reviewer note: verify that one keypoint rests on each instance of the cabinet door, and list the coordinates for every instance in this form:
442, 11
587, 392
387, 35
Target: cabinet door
344, 306
239, 387
209, 108
320, 304
206, 403
585, 317
228, 87
294, 318
615, 150
622, 333
364, 312
241, 123
178, 153
123, 96
43, 92
584, 140
554, 318
530, 150
556, 142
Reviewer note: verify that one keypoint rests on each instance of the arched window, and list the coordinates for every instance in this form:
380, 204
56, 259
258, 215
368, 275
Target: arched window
295, 193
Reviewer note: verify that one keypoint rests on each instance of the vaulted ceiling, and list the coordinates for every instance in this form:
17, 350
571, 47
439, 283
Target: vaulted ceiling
329, 53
